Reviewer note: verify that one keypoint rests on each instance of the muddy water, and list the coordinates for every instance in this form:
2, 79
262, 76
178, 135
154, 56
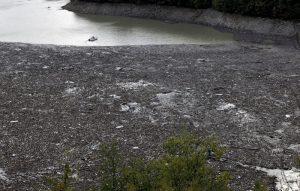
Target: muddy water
44, 22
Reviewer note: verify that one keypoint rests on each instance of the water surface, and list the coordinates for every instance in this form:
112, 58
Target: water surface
44, 22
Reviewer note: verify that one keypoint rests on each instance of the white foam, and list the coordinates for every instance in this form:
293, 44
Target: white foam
134, 85
71, 90
152, 120
135, 107
75, 176
115, 96
125, 108
132, 107
295, 147
280, 131
95, 146
245, 117
225, 106
3, 175
286, 180
69, 82
167, 99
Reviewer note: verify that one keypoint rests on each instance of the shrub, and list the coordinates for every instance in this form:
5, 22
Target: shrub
110, 168
297, 161
183, 167
63, 183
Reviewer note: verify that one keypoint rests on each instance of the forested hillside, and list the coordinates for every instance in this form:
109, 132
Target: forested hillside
282, 9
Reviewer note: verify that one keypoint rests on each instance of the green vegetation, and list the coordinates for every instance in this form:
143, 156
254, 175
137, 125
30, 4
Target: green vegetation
183, 167
282, 9
260, 186
63, 183
297, 161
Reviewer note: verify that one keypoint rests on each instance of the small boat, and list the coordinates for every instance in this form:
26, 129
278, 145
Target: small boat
92, 39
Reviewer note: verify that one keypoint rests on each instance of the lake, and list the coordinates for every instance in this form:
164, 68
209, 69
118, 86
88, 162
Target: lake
45, 22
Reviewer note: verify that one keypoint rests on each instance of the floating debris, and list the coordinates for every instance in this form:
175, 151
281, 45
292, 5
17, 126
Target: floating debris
125, 108
69, 82
71, 90
167, 99
244, 117
134, 85
226, 106
115, 96
201, 60
3, 175
92, 39
295, 147
132, 107
118, 68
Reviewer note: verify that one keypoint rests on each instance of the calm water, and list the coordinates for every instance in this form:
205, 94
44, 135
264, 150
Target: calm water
44, 22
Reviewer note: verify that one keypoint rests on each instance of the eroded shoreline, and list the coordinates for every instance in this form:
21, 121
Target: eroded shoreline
248, 29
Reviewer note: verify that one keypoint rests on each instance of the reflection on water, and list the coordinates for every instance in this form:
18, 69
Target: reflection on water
44, 22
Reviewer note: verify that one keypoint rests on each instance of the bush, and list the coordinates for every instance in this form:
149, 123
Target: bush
297, 161
63, 183
182, 168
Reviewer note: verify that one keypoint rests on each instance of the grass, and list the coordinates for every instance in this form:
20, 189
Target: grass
183, 167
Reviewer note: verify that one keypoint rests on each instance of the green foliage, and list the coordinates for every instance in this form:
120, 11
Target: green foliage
183, 167
63, 183
110, 169
260, 186
297, 161
282, 9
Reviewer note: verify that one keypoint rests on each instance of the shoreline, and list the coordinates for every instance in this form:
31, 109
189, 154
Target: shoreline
248, 29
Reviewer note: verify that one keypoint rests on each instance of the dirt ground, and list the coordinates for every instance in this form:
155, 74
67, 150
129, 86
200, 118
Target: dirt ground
59, 104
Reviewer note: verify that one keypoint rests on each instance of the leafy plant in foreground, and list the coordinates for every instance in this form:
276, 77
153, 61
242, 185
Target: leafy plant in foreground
183, 167
63, 183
